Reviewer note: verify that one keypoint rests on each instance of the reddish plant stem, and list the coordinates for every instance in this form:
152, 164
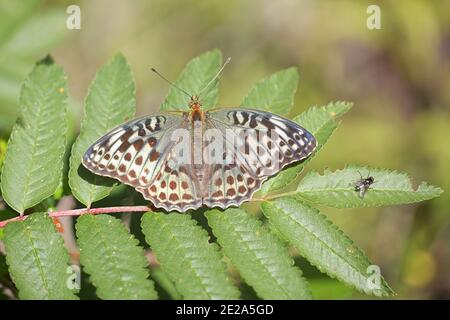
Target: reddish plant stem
79, 212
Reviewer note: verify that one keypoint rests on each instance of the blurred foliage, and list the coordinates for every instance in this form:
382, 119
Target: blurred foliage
398, 78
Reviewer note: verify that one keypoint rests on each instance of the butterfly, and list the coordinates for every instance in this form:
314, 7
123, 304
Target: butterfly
185, 160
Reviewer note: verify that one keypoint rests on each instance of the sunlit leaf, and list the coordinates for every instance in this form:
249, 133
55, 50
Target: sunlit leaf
324, 244
337, 189
258, 255
34, 158
274, 93
110, 102
193, 264
194, 77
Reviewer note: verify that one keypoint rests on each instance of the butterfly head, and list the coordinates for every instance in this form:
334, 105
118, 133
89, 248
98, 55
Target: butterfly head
194, 104
196, 109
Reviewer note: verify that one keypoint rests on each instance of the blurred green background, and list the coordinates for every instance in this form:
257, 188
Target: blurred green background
398, 77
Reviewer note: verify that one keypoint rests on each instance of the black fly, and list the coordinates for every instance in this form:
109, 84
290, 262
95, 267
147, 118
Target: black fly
363, 184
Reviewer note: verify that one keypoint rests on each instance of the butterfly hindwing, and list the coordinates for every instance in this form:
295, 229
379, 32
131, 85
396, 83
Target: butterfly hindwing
173, 187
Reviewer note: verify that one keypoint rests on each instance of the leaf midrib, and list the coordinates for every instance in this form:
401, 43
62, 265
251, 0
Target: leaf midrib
36, 133
110, 257
39, 264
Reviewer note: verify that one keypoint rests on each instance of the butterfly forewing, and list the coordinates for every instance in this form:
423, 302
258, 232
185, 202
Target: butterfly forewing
134, 152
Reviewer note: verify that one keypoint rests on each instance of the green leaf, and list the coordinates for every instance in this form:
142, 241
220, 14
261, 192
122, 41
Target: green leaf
194, 265
337, 189
110, 102
37, 258
324, 244
321, 122
34, 158
258, 255
164, 282
113, 258
194, 77
274, 93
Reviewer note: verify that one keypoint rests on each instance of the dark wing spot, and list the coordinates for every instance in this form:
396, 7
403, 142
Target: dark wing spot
174, 197
230, 180
127, 156
154, 155
138, 144
172, 185
231, 192
217, 194
139, 160
141, 132
253, 122
162, 196
151, 141
267, 123
187, 197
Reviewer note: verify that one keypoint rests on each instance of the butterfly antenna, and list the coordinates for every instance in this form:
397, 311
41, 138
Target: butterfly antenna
171, 83
216, 76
